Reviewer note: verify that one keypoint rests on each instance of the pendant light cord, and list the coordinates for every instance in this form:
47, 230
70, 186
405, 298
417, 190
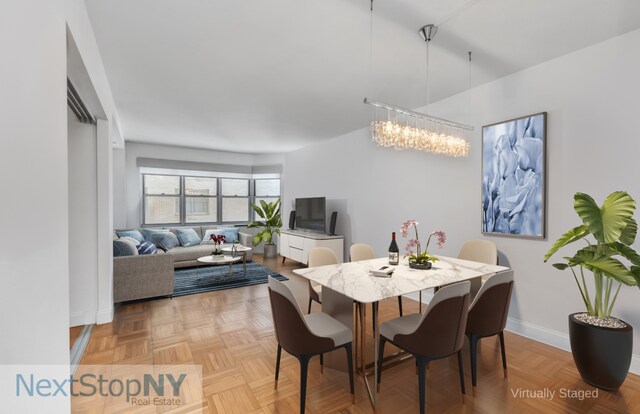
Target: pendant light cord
469, 89
428, 67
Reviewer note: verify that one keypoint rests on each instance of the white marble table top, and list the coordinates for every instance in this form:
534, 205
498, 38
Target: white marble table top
239, 248
353, 280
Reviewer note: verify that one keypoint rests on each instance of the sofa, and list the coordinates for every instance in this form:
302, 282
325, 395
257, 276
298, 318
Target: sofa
151, 275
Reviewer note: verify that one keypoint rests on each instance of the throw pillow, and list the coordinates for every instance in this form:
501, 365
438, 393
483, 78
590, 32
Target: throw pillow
131, 233
147, 248
207, 235
131, 239
230, 234
163, 239
188, 237
124, 248
146, 233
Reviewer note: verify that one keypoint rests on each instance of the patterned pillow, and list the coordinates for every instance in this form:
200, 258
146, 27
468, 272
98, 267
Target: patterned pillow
147, 248
131, 239
163, 239
135, 234
206, 239
124, 248
188, 237
230, 234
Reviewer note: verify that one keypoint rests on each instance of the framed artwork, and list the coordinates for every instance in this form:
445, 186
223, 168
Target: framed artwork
514, 177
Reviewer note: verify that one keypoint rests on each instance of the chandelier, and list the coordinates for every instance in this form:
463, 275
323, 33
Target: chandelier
401, 128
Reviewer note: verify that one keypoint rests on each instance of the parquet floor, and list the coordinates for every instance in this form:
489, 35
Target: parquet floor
230, 334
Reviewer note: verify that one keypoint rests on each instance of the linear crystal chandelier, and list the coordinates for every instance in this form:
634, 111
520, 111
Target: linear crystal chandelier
401, 128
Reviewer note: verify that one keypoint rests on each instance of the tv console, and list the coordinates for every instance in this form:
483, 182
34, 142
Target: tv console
296, 244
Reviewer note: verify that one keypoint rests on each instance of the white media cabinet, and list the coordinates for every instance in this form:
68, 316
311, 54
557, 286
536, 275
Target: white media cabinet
296, 244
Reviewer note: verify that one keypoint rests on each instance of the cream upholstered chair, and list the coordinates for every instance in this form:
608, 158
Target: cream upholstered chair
305, 336
482, 251
488, 317
319, 256
438, 333
362, 251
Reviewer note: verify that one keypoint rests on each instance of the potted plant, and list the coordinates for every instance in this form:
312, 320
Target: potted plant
602, 345
217, 240
270, 224
419, 259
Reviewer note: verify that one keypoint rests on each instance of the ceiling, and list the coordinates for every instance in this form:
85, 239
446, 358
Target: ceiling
259, 76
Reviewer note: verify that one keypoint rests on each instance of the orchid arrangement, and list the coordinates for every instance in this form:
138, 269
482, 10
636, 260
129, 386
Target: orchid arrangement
217, 240
418, 256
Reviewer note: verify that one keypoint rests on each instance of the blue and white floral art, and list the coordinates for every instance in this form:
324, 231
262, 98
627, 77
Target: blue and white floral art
513, 155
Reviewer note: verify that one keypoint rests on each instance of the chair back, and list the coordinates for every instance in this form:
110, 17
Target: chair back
441, 329
292, 331
490, 308
482, 251
361, 251
322, 256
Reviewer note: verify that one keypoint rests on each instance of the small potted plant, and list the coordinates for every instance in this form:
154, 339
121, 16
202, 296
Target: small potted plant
269, 225
218, 240
601, 345
419, 259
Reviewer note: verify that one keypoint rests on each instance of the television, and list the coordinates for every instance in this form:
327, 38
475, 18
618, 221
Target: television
310, 214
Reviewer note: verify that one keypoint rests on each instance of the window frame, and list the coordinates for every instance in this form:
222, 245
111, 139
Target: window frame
145, 195
222, 197
183, 206
256, 197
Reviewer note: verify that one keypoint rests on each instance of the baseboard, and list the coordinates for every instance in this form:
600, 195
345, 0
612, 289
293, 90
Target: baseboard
104, 316
538, 333
81, 318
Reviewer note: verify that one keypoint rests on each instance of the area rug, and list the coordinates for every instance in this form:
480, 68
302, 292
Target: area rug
194, 280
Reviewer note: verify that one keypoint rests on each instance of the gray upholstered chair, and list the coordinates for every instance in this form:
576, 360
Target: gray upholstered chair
362, 251
437, 333
488, 317
319, 256
483, 251
305, 336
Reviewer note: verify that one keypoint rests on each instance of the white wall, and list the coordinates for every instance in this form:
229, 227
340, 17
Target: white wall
591, 97
83, 222
132, 184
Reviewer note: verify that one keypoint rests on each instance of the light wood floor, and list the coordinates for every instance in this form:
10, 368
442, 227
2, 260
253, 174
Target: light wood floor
73, 334
231, 335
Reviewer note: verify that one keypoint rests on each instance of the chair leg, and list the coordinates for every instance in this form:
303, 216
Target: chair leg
473, 349
304, 367
400, 304
310, 300
275, 384
283, 259
380, 355
322, 363
350, 368
422, 364
504, 354
461, 372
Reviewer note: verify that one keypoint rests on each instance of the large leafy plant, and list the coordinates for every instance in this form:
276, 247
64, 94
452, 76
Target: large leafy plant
608, 253
270, 223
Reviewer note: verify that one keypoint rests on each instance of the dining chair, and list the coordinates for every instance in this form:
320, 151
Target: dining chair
319, 256
488, 317
435, 334
305, 336
482, 251
362, 251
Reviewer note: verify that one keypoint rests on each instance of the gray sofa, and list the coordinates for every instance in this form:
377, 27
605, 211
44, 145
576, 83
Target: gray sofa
148, 276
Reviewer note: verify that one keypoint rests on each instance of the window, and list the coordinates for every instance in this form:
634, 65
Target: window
177, 199
235, 199
267, 190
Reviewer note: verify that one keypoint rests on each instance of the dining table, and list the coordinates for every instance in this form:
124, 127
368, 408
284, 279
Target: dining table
351, 282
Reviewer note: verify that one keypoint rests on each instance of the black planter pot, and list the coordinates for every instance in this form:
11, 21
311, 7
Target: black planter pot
602, 355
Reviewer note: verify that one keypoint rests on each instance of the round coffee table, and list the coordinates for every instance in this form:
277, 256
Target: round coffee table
242, 252
219, 260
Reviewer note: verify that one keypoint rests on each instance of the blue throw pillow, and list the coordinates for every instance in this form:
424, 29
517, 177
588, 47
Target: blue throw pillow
188, 237
163, 239
134, 234
147, 248
207, 235
230, 234
124, 248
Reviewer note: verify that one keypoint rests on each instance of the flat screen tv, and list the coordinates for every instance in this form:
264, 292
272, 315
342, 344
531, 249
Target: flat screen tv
310, 214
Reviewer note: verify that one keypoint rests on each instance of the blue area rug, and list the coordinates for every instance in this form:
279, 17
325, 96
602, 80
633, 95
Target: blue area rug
194, 280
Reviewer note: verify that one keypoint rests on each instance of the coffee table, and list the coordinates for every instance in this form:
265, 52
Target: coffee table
219, 260
242, 251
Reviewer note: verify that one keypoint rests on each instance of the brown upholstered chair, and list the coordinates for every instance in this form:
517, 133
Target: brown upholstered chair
488, 317
438, 333
362, 251
305, 336
319, 256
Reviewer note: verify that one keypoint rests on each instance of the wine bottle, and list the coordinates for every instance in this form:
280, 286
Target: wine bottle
394, 253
